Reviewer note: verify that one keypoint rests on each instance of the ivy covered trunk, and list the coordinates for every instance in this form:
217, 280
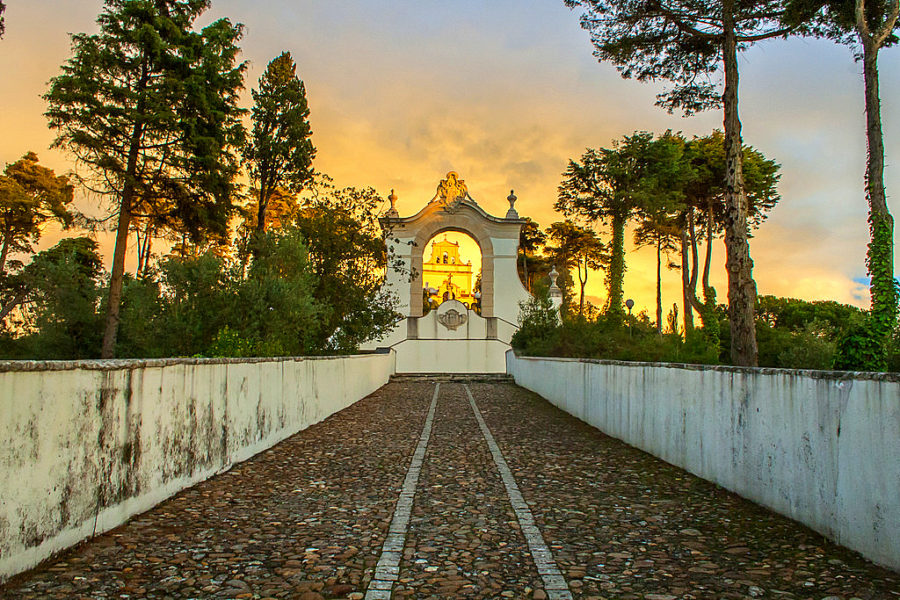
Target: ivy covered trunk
880, 255
741, 286
617, 266
686, 283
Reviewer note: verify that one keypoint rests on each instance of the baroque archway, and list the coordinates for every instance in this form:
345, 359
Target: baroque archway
453, 209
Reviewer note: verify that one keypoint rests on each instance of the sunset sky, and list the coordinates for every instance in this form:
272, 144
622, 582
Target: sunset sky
506, 91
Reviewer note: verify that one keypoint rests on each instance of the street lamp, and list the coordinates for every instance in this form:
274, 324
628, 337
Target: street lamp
629, 304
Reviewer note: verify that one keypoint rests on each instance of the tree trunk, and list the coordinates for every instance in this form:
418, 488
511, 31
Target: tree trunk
695, 264
118, 273
617, 267
261, 208
4, 252
7, 308
659, 327
708, 261
583, 282
111, 330
880, 255
741, 286
525, 270
686, 283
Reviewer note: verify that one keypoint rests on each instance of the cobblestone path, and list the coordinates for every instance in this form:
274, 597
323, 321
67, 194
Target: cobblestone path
330, 513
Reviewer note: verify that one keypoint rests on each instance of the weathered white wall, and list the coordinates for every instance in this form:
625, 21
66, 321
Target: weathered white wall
85, 445
451, 356
820, 447
508, 289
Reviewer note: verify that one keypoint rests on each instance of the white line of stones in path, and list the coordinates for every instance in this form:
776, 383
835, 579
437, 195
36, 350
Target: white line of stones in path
387, 571
554, 583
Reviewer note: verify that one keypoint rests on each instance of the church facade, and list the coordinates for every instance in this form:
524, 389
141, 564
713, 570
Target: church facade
448, 276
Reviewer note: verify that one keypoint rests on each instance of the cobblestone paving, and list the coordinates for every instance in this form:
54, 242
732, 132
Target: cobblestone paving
307, 519
463, 539
623, 525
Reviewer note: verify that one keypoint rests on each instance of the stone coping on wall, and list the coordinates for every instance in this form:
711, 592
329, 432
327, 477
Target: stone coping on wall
112, 364
892, 377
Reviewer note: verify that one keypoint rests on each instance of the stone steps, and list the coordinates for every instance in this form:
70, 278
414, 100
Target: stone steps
453, 377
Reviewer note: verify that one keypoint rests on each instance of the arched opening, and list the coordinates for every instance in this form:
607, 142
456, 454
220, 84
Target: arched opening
451, 270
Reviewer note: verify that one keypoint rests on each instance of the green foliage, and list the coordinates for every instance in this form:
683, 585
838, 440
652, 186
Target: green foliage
606, 337
63, 287
539, 325
812, 347
793, 334
279, 152
142, 331
711, 315
531, 238
200, 306
792, 314
604, 187
194, 296
149, 107
885, 289
273, 308
893, 351
861, 348
2, 19
30, 196
576, 248
677, 40
348, 257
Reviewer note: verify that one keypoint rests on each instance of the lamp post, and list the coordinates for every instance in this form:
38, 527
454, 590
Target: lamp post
629, 304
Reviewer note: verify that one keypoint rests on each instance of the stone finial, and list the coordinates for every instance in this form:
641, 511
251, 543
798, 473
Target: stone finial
556, 295
392, 211
511, 213
554, 275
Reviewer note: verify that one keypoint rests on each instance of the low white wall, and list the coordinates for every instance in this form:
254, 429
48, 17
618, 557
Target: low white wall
451, 356
820, 447
85, 445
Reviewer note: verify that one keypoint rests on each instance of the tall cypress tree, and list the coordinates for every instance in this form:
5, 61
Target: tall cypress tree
149, 106
279, 152
689, 42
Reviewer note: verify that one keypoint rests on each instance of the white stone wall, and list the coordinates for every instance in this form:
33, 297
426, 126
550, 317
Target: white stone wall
451, 356
820, 447
508, 289
85, 445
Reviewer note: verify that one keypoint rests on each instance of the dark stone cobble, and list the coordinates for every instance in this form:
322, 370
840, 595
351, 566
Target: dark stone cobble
625, 525
306, 520
463, 539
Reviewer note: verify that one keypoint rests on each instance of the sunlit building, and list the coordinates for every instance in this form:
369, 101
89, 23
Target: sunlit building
446, 275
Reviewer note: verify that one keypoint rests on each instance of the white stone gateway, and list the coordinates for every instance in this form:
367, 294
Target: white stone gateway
454, 338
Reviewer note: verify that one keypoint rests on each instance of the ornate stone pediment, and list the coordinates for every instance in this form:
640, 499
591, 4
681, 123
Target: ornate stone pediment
451, 192
452, 319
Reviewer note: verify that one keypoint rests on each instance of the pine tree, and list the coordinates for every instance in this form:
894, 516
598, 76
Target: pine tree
689, 42
605, 186
279, 152
149, 106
